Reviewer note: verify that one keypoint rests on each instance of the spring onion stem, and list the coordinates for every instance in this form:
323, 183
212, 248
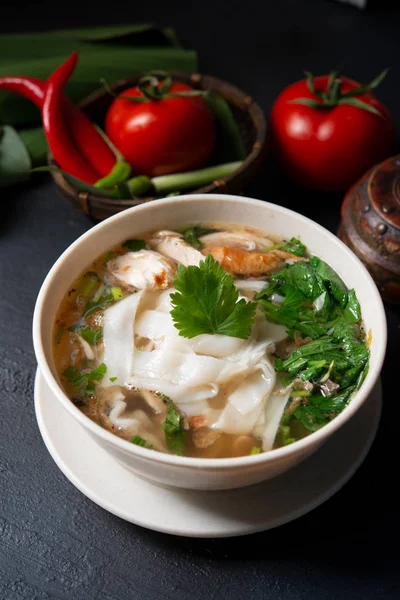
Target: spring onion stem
166, 184
185, 181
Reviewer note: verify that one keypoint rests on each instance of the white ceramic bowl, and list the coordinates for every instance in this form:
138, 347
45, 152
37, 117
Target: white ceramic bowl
194, 473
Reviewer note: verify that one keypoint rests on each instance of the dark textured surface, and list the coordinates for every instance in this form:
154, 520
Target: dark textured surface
57, 544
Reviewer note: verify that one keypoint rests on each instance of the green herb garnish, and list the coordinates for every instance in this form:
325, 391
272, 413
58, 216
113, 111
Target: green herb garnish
84, 380
255, 450
285, 435
87, 284
112, 379
175, 433
90, 334
117, 293
192, 234
134, 245
93, 305
206, 301
139, 441
317, 305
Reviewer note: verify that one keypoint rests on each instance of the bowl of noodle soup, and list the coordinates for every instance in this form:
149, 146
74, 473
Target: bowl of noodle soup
209, 341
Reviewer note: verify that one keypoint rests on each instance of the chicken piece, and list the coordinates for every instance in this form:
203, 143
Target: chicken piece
172, 244
244, 240
205, 437
143, 270
240, 262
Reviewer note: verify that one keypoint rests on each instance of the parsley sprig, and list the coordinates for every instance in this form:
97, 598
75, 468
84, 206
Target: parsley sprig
206, 301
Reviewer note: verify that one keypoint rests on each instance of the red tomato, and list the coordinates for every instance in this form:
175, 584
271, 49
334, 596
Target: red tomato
163, 136
329, 148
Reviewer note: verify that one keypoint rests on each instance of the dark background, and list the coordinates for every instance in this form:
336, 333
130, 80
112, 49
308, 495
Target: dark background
57, 544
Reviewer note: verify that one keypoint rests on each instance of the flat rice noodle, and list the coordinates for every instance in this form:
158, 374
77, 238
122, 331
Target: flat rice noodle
177, 363
122, 422
193, 409
246, 403
177, 393
270, 331
118, 338
232, 421
255, 389
218, 346
164, 301
250, 285
154, 324
268, 424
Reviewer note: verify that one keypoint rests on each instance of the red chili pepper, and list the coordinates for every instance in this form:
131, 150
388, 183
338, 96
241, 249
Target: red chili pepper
55, 126
86, 138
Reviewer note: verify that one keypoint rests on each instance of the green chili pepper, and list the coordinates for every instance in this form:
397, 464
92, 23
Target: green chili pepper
119, 173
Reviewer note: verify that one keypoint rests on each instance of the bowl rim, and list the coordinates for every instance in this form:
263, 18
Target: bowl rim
298, 447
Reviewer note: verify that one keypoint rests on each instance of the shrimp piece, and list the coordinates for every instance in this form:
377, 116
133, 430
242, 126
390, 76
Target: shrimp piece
239, 262
172, 244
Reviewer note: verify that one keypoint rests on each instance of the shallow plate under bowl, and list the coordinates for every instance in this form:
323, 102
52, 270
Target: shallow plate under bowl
199, 513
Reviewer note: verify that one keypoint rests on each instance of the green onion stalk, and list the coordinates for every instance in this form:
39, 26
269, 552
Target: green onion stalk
166, 184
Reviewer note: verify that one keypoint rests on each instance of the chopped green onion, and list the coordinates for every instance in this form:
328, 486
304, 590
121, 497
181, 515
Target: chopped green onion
112, 379
117, 293
88, 283
139, 441
285, 432
255, 450
91, 335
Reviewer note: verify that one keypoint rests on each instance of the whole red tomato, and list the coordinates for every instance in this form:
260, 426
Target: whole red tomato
326, 134
169, 134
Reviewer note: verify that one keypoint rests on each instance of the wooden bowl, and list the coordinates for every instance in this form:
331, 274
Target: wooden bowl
370, 225
249, 117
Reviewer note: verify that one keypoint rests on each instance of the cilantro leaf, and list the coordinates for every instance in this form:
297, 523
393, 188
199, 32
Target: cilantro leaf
175, 433
206, 301
134, 245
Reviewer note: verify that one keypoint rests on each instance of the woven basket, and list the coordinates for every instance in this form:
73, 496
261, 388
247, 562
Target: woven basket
249, 117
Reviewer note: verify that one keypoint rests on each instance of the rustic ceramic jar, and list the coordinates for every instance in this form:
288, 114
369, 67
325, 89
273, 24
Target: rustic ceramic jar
370, 225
